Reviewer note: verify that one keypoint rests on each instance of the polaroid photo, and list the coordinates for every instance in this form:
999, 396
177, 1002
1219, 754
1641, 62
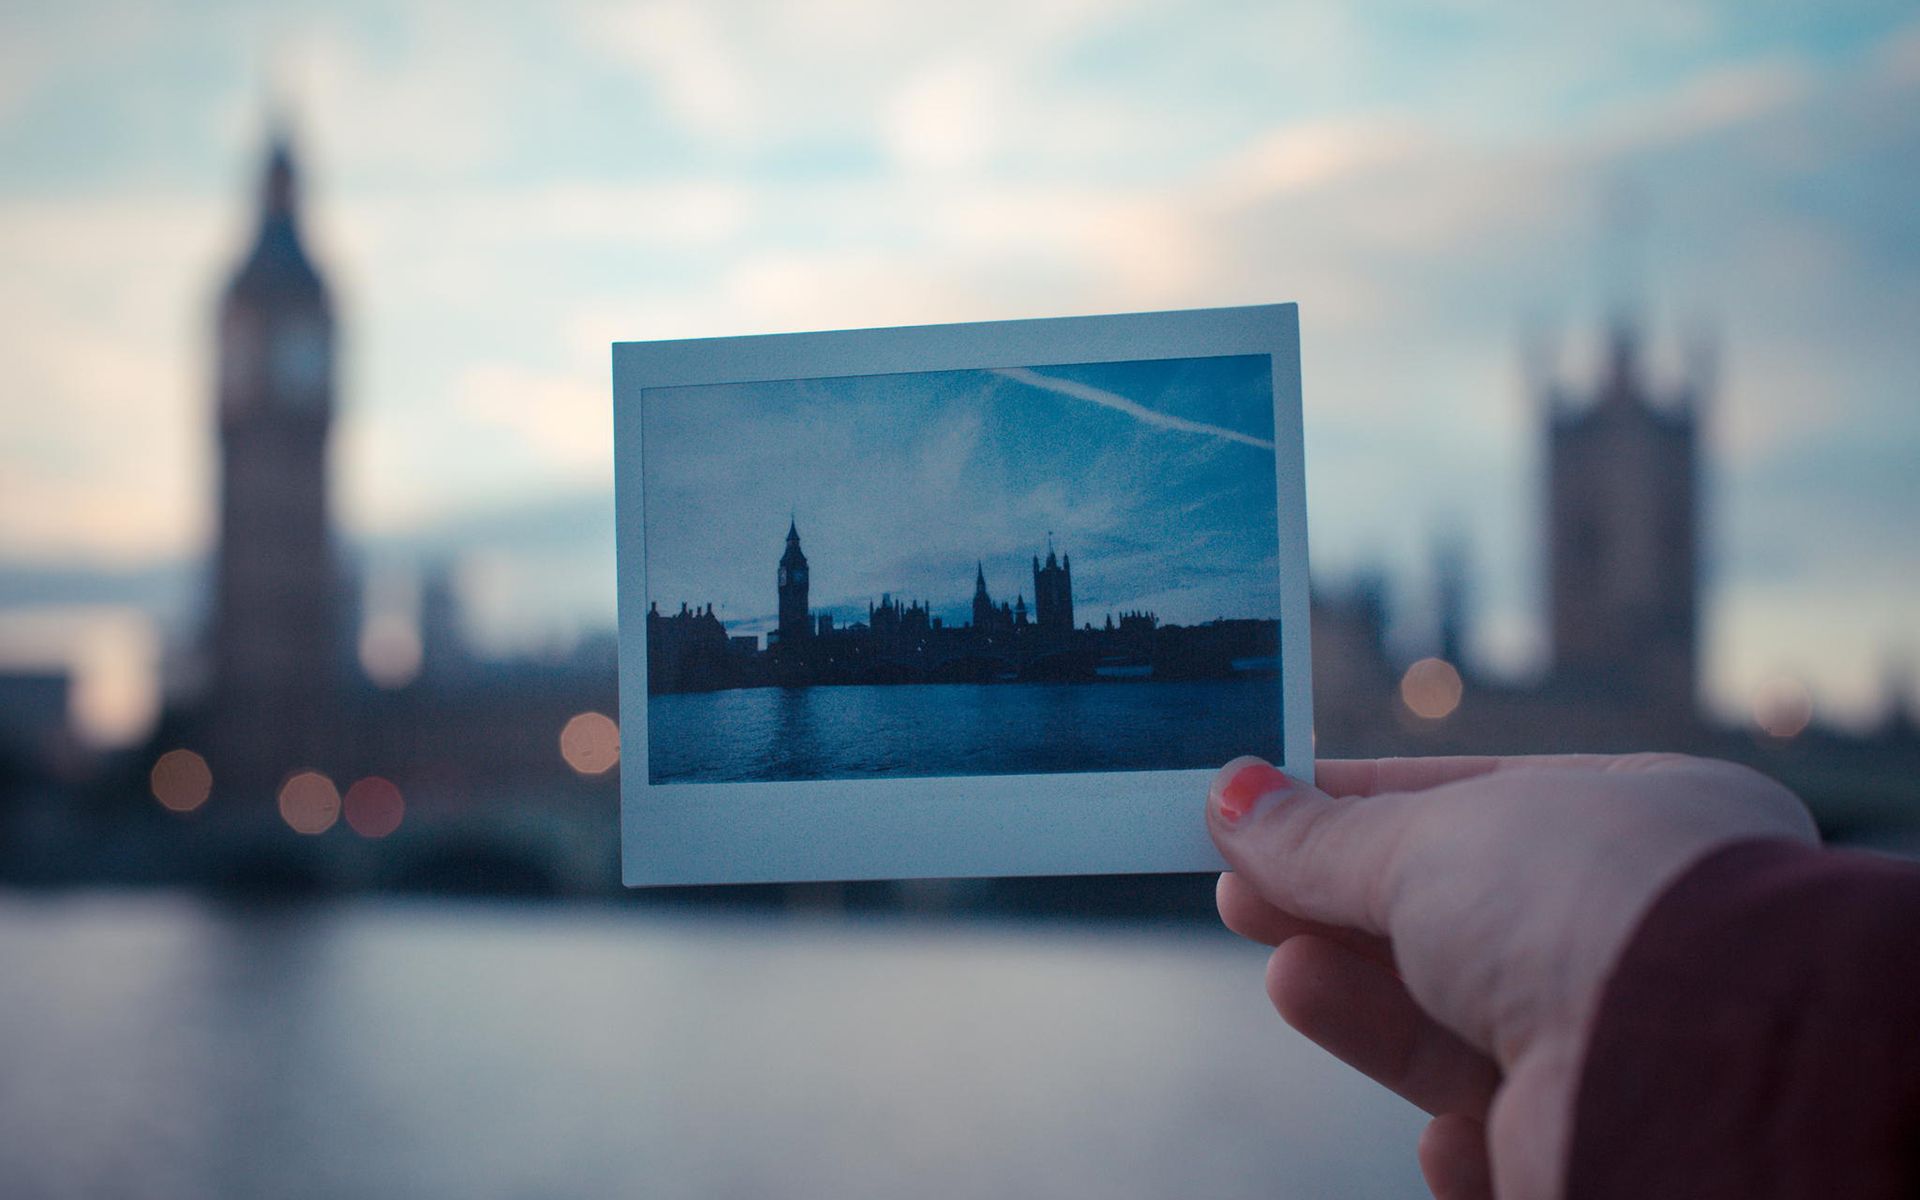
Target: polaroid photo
960, 600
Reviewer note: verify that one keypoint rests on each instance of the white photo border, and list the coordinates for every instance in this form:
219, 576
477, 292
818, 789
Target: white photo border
1075, 823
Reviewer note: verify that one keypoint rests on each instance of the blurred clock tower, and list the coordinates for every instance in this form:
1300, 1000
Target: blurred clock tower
276, 615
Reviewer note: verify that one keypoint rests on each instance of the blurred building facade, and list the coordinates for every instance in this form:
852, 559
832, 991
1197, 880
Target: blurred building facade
492, 775
420, 764
1623, 536
1623, 521
36, 726
1621, 528
275, 637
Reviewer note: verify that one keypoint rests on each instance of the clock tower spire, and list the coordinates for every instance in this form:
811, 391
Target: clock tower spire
275, 613
794, 625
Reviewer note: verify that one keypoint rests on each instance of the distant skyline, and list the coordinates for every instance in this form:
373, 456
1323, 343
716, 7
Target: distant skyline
1156, 478
499, 192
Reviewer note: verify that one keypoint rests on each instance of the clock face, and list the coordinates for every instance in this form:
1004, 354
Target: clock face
799, 574
299, 364
783, 577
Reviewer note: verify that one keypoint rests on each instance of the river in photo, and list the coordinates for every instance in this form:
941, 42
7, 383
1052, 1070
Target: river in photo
907, 730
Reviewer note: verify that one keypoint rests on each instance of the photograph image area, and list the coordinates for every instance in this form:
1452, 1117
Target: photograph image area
1042, 569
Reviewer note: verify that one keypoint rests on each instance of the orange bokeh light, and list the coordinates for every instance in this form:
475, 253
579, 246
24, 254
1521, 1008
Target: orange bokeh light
1431, 689
181, 781
309, 803
590, 743
374, 807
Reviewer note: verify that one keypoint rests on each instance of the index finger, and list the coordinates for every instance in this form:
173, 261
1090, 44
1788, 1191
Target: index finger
1377, 776
1332, 860
1372, 776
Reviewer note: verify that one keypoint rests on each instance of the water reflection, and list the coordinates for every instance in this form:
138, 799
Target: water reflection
790, 752
958, 729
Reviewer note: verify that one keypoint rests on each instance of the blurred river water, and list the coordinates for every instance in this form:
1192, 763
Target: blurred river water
158, 1045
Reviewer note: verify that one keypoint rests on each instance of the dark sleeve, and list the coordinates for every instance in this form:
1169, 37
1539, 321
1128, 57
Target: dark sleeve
1760, 1036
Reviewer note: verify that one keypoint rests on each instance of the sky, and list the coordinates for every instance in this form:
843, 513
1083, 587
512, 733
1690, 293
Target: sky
497, 192
1155, 479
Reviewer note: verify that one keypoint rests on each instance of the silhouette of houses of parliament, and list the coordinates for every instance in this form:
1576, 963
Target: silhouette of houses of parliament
903, 642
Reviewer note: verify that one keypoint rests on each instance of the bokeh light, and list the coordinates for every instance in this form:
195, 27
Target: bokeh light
590, 743
373, 807
181, 781
1783, 708
309, 803
390, 650
1431, 689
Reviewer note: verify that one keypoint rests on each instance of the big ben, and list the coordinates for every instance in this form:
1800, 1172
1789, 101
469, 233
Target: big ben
794, 623
275, 628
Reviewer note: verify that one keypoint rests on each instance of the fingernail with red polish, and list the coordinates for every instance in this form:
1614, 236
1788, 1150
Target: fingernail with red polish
1247, 786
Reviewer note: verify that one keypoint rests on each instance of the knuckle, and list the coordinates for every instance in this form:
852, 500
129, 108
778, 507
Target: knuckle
1768, 795
1746, 790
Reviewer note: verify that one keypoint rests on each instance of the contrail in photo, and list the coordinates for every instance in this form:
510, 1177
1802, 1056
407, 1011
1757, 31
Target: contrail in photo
1133, 408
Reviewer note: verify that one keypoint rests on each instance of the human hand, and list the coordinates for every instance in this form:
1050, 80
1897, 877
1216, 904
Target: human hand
1446, 925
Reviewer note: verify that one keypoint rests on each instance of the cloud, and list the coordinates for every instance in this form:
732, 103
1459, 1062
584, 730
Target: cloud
104, 318
697, 73
564, 421
1709, 102
441, 106
1133, 408
948, 118
927, 89
1308, 154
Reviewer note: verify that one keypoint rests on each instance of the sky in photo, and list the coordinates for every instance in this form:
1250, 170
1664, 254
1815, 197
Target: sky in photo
1156, 478
498, 191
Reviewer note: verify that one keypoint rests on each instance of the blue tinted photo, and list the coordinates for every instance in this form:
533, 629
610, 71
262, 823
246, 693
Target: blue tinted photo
980, 572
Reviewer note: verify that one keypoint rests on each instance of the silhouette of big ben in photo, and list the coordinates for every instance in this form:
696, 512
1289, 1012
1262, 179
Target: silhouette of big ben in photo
794, 626
275, 627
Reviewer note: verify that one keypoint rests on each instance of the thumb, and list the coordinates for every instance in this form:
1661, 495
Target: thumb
1315, 856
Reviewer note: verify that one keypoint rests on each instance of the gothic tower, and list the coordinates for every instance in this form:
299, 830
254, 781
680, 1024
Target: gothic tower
794, 626
1053, 593
276, 614
983, 612
1623, 535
